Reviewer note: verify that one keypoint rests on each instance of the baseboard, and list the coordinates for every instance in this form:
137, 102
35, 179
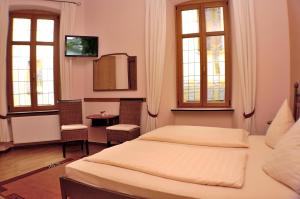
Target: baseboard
36, 143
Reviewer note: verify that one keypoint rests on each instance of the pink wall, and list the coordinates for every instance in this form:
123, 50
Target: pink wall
26, 129
33, 4
219, 119
78, 65
273, 69
294, 19
120, 27
273, 59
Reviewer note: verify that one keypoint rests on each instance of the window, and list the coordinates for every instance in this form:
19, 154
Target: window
203, 54
32, 60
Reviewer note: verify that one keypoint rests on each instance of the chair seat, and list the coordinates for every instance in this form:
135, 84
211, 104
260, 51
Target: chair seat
71, 127
122, 127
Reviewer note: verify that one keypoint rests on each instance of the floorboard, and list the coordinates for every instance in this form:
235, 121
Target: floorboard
21, 160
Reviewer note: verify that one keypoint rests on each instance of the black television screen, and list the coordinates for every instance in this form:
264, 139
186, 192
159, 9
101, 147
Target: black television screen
81, 46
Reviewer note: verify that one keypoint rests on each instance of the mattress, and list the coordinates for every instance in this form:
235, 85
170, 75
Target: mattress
258, 185
199, 135
186, 163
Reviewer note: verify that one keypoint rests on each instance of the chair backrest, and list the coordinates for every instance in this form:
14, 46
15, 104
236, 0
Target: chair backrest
130, 111
70, 112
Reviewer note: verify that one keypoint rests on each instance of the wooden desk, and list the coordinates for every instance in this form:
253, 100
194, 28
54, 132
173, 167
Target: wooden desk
103, 120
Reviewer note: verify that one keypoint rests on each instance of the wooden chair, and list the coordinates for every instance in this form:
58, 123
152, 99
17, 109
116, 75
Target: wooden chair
72, 129
129, 122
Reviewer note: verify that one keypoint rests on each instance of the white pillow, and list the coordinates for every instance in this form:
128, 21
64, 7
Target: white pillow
279, 126
284, 163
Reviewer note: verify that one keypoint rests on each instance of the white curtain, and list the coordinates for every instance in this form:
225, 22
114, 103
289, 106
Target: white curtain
4, 130
245, 44
155, 30
67, 22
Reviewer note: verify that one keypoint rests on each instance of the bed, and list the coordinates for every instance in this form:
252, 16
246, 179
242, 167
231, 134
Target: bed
90, 179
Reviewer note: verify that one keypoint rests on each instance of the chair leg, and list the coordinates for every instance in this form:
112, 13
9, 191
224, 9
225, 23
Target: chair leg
82, 142
108, 144
87, 147
64, 149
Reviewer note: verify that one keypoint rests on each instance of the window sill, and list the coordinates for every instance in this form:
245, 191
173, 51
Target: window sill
32, 113
202, 109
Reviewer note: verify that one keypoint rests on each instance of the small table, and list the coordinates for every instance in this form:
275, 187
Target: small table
103, 120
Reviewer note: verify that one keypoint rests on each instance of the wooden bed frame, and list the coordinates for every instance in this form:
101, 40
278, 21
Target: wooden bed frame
76, 190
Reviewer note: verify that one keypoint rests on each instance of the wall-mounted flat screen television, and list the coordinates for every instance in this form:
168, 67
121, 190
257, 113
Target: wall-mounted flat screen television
81, 46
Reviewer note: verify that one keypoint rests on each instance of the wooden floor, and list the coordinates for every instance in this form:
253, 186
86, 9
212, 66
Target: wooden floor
22, 160
5, 145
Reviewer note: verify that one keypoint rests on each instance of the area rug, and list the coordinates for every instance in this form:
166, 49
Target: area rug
39, 184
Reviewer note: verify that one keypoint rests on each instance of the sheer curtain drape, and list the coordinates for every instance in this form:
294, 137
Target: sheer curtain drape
245, 44
67, 22
4, 130
155, 30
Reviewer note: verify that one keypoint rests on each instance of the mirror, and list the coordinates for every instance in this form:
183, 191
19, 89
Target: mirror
115, 72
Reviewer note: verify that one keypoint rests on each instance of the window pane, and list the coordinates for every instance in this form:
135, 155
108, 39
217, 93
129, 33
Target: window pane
214, 19
191, 70
45, 75
21, 75
21, 29
45, 30
215, 69
190, 21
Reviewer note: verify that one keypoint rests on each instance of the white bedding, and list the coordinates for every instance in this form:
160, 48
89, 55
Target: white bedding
199, 135
185, 163
258, 185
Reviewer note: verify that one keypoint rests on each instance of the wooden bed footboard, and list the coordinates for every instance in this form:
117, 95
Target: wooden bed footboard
76, 190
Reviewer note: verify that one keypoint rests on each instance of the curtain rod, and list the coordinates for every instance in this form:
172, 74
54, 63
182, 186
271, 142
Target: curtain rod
76, 3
